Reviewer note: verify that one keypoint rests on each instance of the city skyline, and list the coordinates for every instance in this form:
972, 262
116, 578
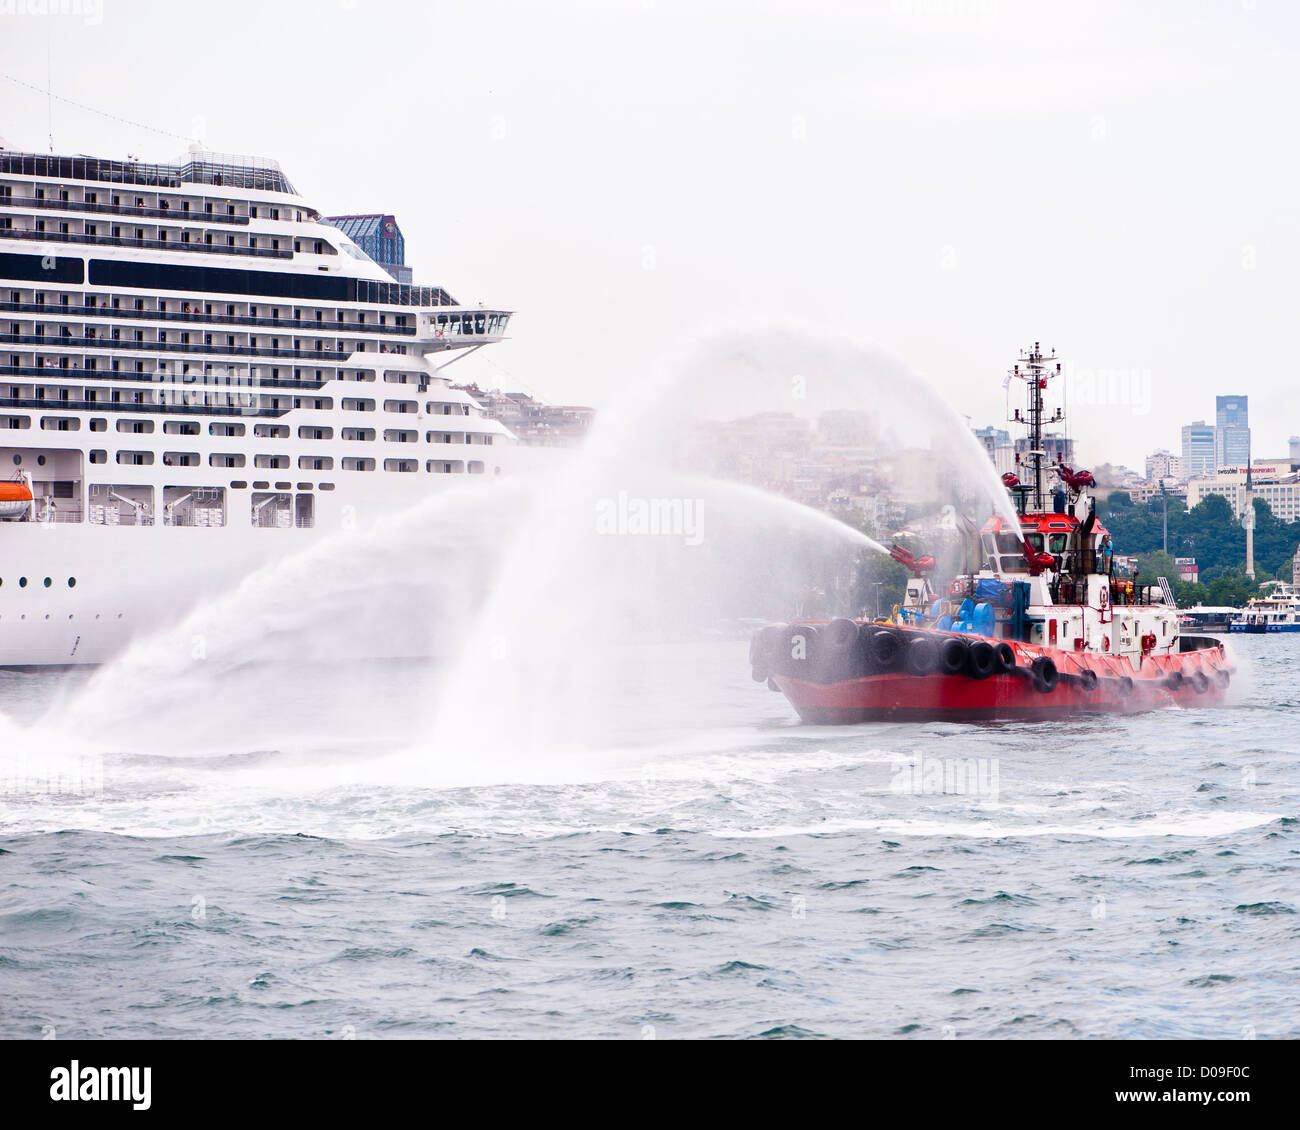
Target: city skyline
859, 170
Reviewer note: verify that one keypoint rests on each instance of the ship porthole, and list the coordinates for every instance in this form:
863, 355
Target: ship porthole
22, 582
47, 616
48, 582
72, 582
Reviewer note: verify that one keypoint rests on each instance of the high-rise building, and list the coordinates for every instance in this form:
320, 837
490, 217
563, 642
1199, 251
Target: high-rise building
379, 237
1232, 431
1200, 449
1164, 464
997, 442
1057, 448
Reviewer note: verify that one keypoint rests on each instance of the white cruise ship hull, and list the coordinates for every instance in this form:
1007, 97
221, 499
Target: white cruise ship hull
200, 377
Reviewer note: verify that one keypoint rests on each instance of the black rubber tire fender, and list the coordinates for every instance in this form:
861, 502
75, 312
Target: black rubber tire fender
765, 651
922, 655
839, 636
886, 650
839, 657
1006, 657
952, 655
981, 660
1044, 673
802, 648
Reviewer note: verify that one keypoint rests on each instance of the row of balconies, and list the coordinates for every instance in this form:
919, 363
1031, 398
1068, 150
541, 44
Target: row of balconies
155, 205
170, 310
178, 241
322, 350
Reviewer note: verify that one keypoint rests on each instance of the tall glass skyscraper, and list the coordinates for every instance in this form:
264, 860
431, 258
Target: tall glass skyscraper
1232, 431
1200, 448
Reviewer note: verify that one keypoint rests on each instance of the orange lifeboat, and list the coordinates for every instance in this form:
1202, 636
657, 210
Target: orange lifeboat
15, 498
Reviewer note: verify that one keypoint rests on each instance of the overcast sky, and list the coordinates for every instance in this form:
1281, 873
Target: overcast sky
946, 180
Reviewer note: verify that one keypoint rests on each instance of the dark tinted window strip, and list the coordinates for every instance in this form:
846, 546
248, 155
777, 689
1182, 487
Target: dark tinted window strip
271, 284
38, 268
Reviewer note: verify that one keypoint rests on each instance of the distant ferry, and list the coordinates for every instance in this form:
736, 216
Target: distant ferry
1278, 612
200, 375
1209, 618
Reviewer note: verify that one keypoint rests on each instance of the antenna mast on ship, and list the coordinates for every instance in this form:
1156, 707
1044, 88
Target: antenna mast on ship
1036, 368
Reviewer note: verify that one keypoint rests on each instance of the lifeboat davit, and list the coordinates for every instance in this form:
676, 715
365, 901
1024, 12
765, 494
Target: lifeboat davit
15, 499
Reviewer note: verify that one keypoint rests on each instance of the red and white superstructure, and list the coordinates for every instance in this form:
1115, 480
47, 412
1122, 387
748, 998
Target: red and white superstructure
1038, 625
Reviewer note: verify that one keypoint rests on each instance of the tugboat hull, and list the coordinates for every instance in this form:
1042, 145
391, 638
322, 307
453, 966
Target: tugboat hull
832, 681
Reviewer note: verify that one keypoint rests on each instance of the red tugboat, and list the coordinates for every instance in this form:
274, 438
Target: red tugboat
1043, 628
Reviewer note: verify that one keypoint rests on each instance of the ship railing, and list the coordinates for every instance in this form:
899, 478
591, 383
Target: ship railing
57, 515
144, 244
128, 211
296, 325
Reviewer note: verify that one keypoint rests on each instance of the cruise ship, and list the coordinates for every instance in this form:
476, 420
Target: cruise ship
202, 374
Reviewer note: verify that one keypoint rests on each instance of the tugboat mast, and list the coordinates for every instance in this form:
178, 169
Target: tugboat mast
1036, 368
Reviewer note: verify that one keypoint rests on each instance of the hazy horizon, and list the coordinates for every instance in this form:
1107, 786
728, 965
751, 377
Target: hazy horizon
944, 180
